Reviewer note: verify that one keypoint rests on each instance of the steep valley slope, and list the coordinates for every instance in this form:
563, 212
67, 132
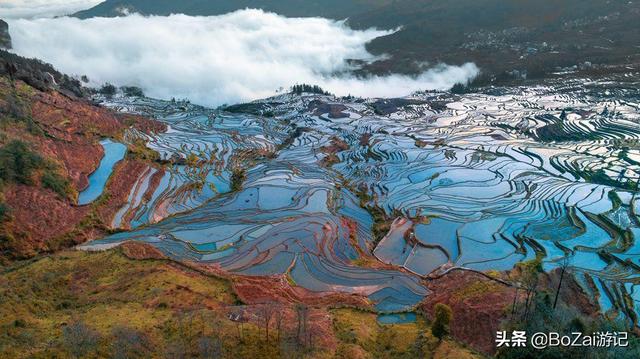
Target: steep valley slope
50, 146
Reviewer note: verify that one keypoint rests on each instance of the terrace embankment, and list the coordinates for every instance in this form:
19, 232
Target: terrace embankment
257, 289
50, 146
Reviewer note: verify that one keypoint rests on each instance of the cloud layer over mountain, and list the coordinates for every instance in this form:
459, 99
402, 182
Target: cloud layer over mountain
15, 9
236, 57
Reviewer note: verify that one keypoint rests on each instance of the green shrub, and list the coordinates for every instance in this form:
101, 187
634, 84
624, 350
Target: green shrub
440, 326
237, 179
459, 89
132, 91
138, 150
56, 183
18, 162
108, 90
19, 323
4, 212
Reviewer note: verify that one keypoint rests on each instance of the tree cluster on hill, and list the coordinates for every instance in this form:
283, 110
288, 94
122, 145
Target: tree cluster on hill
45, 313
543, 318
108, 90
132, 91
305, 88
459, 89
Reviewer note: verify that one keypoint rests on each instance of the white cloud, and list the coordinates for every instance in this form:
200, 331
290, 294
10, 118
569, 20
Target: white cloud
231, 58
28, 9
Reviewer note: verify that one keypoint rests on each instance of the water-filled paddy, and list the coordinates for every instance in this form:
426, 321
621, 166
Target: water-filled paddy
113, 153
483, 183
397, 318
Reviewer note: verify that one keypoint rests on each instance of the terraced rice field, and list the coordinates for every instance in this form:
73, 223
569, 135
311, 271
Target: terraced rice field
113, 153
481, 181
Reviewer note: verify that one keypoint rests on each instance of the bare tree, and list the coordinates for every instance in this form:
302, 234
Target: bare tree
177, 350
288, 348
564, 266
279, 316
80, 339
130, 343
266, 312
210, 347
514, 306
530, 285
303, 320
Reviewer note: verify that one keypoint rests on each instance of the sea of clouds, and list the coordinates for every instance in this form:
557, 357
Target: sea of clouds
29, 9
237, 57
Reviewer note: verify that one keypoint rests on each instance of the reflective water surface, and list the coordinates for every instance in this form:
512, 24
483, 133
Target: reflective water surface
113, 153
480, 181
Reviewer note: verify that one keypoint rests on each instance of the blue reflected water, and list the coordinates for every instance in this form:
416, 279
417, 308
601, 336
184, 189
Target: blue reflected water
113, 153
470, 184
397, 318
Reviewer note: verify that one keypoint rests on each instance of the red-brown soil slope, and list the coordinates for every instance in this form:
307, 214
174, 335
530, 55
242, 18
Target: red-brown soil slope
65, 132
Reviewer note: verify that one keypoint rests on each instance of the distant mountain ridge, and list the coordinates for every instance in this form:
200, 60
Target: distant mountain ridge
335, 9
507, 39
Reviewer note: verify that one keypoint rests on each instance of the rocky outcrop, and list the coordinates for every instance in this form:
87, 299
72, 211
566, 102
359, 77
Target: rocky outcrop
5, 39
